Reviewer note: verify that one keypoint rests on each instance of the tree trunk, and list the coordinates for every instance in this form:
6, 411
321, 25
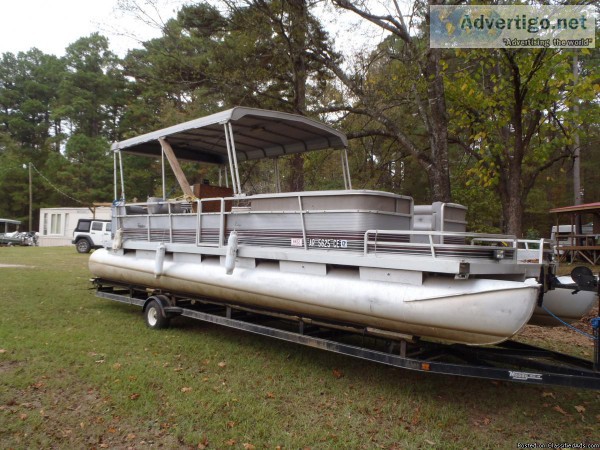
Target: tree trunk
297, 45
439, 174
510, 190
577, 191
512, 209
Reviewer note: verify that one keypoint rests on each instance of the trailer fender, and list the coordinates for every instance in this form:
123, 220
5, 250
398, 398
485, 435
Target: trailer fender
156, 312
161, 300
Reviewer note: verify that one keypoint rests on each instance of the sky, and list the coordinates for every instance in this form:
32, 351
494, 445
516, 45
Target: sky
51, 25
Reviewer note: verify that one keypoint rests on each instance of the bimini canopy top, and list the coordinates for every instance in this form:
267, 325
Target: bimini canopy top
257, 134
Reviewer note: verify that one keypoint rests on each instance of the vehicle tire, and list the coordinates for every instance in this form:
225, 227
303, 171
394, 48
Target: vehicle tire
154, 317
83, 246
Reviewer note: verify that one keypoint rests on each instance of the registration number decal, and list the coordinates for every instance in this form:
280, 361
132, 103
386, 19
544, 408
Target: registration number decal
328, 243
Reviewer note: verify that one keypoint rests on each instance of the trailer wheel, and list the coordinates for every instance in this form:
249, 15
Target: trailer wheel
154, 316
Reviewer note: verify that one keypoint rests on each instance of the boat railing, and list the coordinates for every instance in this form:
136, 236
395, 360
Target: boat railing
204, 222
536, 251
200, 205
156, 217
441, 243
207, 221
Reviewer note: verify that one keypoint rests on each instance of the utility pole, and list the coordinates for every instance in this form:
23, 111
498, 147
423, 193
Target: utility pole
30, 200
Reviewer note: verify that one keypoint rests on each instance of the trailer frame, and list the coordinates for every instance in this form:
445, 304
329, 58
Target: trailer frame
508, 361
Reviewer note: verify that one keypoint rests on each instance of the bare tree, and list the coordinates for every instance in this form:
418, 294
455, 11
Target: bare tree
429, 102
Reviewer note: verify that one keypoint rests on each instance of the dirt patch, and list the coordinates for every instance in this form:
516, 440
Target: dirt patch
563, 333
7, 366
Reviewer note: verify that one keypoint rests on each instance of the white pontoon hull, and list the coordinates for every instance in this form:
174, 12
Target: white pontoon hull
473, 311
564, 303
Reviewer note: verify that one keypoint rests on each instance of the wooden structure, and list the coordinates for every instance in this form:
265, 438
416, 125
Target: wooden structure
575, 245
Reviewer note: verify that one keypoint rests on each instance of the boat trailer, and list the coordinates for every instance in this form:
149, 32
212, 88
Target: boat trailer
508, 361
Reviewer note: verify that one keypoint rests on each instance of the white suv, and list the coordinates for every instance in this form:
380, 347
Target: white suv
91, 233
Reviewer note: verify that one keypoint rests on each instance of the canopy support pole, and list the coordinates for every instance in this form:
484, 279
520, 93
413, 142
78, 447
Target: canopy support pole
230, 159
233, 163
346, 170
122, 176
277, 177
164, 177
115, 183
236, 174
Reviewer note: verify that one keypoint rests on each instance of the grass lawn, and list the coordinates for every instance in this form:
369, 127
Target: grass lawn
81, 372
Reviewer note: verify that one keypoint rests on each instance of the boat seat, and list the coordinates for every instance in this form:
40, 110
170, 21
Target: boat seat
135, 209
155, 208
439, 216
203, 190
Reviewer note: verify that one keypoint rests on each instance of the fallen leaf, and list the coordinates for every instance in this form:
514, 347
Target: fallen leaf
116, 366
2, 350
222, 364
548, 394
186, 389
415, 420
131, 437
560, 410
338, 373
134, 396
230, 442
270, 395
23, 416
230, 424
249, 446
429, 442
580, 408
103, 445
487, 421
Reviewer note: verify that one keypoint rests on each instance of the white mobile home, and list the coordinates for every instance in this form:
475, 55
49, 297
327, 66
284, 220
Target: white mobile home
57, 224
